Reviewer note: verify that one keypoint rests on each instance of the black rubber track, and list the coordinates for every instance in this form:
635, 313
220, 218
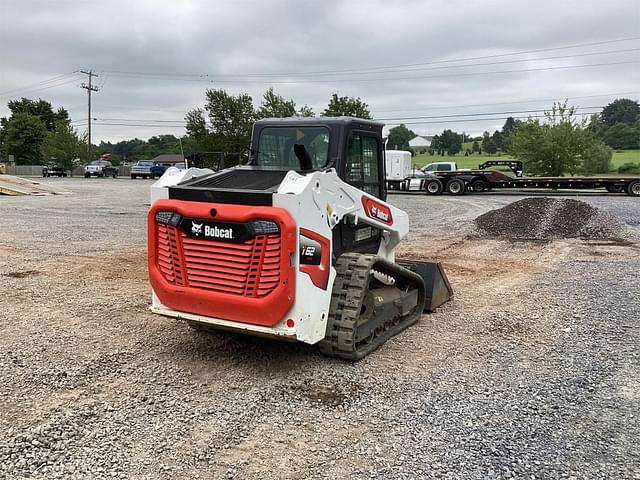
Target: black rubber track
352, 283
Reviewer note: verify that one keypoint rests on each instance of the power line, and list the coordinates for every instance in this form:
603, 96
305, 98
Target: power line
458, 115
205, 77
436, 122
535, 100
476, 114
376, 69
470, 74
36, 84
141, 108
135, 120
423, 108
150, 125
219, 75
361, 80
626, 50
433, 62
24, 91
482, 119
484, 116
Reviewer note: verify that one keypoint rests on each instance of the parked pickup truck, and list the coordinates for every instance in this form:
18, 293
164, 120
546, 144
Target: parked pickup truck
440, 167
100, 168
147, 169
54, 171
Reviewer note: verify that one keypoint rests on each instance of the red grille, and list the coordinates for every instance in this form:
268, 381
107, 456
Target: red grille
250, 269
168, 256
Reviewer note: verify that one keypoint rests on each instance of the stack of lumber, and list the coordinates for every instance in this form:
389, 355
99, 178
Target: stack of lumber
11, 185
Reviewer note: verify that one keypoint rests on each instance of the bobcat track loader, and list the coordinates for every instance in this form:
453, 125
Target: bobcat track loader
297, 244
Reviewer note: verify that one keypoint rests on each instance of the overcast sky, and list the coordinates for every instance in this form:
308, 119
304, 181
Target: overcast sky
406, 59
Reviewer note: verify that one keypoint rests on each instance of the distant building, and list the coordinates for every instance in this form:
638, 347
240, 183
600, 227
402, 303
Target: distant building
421, 141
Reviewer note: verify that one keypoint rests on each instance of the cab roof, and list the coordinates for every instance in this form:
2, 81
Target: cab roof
326, 121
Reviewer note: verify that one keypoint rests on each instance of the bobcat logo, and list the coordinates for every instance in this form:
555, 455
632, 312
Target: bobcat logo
196, 228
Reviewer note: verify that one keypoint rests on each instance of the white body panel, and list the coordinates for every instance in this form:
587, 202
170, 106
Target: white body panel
317, 201
398, 164
173, 176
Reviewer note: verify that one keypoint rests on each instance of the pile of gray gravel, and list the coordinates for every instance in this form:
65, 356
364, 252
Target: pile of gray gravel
549, 219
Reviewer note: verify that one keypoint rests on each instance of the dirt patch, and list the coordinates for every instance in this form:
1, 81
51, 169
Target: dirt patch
327, 395
473, 260
549, 219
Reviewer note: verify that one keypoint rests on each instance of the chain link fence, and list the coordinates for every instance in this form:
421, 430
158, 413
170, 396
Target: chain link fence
36, 170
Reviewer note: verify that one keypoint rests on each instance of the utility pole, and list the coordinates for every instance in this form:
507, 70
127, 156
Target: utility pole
89, 88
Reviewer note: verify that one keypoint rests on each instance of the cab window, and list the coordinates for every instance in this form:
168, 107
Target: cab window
362, 168
276, 146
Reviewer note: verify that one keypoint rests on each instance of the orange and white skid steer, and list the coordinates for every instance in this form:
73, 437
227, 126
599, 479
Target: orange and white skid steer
297, 244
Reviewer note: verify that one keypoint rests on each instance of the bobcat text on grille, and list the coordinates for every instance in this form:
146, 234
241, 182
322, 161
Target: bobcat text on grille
217, 232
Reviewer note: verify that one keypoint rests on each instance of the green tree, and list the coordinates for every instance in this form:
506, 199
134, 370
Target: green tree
509, 126
491, 147
63, 146
450, 141
22, 137
597, 126
199, 138
347, 106
435, 143
621, 110
229, 127
555, 147
622, 136
40, 108
475, 148
276, 106
231, 117
399, 137
452, 149
305, 111
124, 150
498, 141
486, 136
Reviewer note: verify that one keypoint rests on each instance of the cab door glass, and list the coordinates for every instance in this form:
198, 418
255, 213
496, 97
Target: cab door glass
362, 166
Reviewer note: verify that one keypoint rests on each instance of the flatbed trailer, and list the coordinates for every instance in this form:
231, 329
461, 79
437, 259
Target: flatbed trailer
460, 182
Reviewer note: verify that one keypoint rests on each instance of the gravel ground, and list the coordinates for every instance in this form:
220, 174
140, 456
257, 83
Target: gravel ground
533, 371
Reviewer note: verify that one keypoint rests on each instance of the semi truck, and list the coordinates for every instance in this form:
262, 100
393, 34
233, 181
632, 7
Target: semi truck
445, 177
398, 168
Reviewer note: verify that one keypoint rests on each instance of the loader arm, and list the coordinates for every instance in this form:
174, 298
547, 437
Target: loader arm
337, 201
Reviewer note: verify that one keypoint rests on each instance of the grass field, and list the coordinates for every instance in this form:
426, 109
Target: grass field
620, 157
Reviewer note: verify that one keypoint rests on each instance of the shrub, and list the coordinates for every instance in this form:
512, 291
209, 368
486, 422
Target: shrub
633, 168
596, 159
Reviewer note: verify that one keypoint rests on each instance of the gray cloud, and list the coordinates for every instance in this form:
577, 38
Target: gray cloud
43, 39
